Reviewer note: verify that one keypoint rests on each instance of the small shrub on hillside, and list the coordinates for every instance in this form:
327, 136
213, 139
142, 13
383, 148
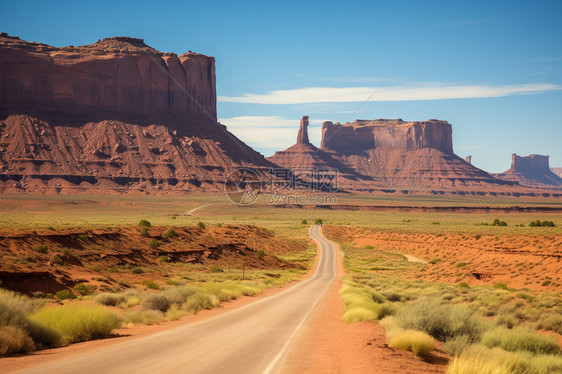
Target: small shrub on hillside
164, 258
415, 341
144, 231
174, 217
461, 264
464, 285
546, 283
525, 295
76, 323
369, 247
156, 302
216, 269
201, 225
41, 248
151, 285
501, 286
137, 270
435, 223
83, 236
520, 339
144, 223
109, 299
51, 228
65, 294
497, 222
65, 251
169, 234
434, 260
154, 244
318, 221
477, 237
84, 289
304, 222
550, 321
260, 254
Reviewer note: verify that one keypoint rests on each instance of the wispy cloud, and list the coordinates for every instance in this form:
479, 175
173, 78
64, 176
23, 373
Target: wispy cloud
403, 93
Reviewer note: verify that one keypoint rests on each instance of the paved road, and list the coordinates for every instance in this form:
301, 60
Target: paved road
250, 339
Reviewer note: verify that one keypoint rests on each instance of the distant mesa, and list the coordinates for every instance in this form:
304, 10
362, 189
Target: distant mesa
383, 153
531, 171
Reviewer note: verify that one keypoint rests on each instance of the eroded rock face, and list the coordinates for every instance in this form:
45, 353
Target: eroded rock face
302, 136
117, 78
379, 154
387, 134
531, 171
116, 115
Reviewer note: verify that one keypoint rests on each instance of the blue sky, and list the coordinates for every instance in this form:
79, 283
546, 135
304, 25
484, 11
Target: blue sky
491, 68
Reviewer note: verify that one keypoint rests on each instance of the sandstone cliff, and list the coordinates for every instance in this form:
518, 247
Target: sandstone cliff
116, 114
531, 171
380, 154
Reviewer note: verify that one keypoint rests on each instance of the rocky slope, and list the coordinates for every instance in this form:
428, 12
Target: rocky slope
532, 171
116, 114
557, 171
378, 154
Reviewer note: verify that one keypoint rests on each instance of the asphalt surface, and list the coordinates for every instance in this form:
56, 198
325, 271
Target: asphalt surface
250, 339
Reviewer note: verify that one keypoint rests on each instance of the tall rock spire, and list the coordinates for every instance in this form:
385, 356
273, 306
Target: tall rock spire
302, 137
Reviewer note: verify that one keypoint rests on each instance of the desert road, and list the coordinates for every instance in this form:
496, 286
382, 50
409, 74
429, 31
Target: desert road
250, 339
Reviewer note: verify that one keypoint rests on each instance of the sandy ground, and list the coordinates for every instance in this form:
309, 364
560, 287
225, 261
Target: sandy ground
329, 345
326, 345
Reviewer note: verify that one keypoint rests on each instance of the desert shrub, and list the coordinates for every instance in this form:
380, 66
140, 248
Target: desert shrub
174, 313
497, 222
76, 323
109, 299
151, 285
415, 341
154, 244
84, 289
477, 237
260, 254
65, 251
464, 285
481, 360
14, 310
145, 316
457, 344
169, 234
318, 221
156, 301
216, 269
546, 283
461, 264
41, 248
304, 222
520, 339
359, 314
83, 236
441, 321
545, 363
14, 340
501, 286
525, 295
144, 231
164, 258
369, 247
178, 295
137, 270
65, 294
144, 223
434, 260
550, 321
201, 225
199, 301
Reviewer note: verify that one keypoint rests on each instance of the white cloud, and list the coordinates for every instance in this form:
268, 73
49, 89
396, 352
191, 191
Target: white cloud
268, 131
360, 94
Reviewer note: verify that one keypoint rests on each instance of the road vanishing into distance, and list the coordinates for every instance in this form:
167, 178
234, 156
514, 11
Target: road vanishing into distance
250, 339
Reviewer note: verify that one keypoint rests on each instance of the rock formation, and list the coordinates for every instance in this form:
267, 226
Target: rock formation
531, 171
302, 136
557, 171
116, 114
379, 154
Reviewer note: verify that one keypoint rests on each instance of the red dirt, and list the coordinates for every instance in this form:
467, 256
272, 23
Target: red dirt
517, 260
330, 345
106, 258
